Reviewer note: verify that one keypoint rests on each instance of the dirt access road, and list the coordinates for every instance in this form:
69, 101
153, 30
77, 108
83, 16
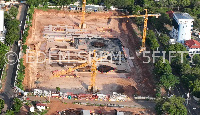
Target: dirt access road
140, 78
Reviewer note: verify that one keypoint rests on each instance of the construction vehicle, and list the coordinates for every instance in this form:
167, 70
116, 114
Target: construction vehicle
142, 48
82, 25
92, 87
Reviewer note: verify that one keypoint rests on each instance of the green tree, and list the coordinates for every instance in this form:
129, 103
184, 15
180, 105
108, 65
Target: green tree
161, 68
3, 51
108, 3
185, 69
13, 11
21, 67
137, 9
168, 81
58, 89
172, 3
196, 59
10, 112
195, 86
159, 23
186, 79
164, 39
173, 106
17, 104
24, 47
176, 63
151, 40
12, 31
176, 47
196, 71
184, 3
1, 104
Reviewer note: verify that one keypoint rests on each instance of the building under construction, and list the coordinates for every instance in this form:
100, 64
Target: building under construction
58, 36
70, 47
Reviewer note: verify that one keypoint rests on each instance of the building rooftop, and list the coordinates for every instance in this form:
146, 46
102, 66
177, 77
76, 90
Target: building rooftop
192, 43
179, 15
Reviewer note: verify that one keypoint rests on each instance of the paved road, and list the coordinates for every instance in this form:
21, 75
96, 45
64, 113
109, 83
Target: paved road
192, 106
8, 93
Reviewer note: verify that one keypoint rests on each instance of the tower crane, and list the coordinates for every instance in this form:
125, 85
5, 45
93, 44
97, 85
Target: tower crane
82, 25
142, 48
92, 87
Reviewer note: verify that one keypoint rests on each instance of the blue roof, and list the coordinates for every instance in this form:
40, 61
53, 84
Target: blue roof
182, 15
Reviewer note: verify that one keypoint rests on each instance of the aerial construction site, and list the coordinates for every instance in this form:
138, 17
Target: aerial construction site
58, 43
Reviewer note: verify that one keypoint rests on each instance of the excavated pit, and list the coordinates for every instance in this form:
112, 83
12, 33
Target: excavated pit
98, 44
105, 68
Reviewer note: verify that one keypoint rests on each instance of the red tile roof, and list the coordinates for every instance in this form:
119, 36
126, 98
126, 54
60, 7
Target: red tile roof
40, 104
192, 44
170, 13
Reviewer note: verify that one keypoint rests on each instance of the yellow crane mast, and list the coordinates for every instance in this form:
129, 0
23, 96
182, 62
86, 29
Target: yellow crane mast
92, 87
143, 48
82, 25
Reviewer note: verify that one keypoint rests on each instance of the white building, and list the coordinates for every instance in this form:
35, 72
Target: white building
40, 106
182, 27
2, 27
192, 46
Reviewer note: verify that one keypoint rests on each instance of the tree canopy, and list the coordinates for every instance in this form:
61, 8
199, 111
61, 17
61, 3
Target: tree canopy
17, 104
164, 39
196, 59
173, 106
169, 81
195, 86
12, 26
10, 112
1, 104
3, 51
151, 40
161, 68
13, 11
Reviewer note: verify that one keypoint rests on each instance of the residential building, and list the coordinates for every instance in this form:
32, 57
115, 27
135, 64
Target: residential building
192, 46
40, 106
182, 27
2, 27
